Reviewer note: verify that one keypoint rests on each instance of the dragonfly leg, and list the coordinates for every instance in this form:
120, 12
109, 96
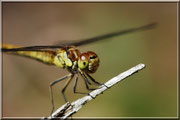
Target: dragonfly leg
51, 91
87, 87
85, 78
75, 86
86, 81
65, 86
96, 83
93, 80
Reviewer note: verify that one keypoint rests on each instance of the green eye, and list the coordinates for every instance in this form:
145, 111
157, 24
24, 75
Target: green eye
82, 64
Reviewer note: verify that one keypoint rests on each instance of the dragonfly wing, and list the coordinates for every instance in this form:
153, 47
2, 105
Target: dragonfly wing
12, 48
102, 37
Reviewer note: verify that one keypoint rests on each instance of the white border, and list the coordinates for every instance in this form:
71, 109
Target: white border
92, 1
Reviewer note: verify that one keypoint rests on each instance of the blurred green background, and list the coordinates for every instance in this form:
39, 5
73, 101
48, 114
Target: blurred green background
151, 92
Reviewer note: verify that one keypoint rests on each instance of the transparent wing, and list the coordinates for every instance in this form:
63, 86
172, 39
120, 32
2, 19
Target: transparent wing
8, 48
102, 37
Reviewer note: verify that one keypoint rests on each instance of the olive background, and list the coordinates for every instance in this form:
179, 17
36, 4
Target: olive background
151, 92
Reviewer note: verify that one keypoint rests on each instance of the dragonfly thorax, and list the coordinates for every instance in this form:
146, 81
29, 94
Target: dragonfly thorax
73, 59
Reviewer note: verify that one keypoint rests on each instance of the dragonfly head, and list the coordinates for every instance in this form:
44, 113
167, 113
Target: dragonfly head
88, 61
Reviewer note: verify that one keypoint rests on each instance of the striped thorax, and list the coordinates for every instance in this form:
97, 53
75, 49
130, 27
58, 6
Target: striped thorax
72, 58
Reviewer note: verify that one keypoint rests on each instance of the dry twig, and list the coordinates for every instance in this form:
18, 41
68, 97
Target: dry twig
69, 109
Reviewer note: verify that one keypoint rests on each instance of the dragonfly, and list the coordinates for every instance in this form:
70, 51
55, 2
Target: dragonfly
68, 57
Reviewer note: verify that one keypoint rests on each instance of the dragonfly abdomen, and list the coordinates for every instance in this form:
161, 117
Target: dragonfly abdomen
43, 56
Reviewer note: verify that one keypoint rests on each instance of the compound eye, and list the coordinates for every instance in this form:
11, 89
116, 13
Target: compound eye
83, 61
93, 57
82, 64
93, 62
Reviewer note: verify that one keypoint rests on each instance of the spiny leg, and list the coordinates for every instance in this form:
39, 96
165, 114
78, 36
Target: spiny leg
65, 86
85, 78
51, 92
96, 83
86, 81
75, 85
92, 79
